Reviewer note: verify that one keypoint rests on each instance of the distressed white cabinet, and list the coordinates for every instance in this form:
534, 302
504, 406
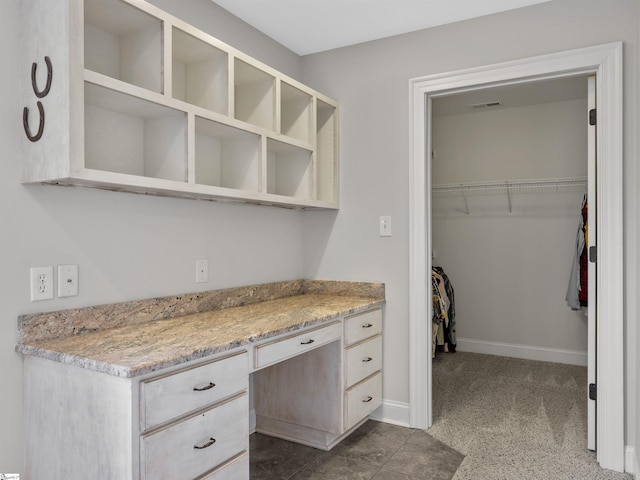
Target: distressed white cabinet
320, 396
120, 95
179, 424
363, 366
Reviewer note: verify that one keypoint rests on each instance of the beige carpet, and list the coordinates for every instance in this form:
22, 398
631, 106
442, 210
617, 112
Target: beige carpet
514, 419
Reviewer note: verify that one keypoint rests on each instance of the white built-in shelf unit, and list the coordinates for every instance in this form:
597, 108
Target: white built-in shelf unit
141, 101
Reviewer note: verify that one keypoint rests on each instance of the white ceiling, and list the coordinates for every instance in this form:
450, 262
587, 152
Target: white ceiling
311, 26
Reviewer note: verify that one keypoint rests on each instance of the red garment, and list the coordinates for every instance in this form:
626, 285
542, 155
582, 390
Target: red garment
583, 294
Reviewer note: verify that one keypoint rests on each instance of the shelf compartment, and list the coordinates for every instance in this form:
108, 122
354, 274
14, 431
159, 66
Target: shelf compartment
123, 42
295, 112
199, 72
254, 95
289, 170
125, 134
326, 152
226, 156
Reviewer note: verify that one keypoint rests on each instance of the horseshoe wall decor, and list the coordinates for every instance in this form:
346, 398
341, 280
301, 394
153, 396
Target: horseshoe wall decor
40, 94
25, 123
34, 67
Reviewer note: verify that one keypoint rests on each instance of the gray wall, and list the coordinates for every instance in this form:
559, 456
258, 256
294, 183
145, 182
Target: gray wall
371, 83
127, 246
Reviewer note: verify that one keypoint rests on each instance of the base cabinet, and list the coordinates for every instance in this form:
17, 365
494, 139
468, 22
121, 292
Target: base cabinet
192, 422
337, 386
82, 424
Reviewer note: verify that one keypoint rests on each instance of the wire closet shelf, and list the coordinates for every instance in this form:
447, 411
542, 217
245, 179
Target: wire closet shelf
510, 187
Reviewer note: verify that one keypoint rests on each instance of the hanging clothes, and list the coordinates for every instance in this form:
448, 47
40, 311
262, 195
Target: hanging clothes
443, 302
577, 291
450, 325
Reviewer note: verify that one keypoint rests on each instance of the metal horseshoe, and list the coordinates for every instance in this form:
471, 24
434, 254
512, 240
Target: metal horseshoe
25, 123
34, 67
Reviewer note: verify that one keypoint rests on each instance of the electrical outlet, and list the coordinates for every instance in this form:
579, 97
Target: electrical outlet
41, 283
67, 280
202, 270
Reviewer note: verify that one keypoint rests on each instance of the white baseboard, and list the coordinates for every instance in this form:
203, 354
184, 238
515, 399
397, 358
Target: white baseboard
631, 461
396, 413
527, 352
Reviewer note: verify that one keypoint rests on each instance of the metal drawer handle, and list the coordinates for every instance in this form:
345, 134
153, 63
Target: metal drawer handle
308, 342
368, 399
368, 359
202, 389
367, 325
208, 444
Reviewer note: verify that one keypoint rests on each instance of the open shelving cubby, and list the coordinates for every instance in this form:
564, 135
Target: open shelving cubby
326, 152
124, 134
226, 157
141, 101
289, 170
200, 72
295, 112
254, 95
123, 42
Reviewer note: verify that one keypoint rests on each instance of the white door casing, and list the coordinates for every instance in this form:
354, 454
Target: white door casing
605, 61
591, 235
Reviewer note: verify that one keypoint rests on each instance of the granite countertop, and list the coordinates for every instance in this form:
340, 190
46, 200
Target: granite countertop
137, 346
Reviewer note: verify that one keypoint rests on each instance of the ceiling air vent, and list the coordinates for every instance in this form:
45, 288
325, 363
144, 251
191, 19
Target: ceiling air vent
477, 106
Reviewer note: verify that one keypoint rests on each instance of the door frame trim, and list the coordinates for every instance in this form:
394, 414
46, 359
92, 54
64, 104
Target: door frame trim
606, 62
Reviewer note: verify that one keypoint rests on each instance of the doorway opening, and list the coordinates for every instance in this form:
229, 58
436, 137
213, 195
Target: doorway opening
605, 62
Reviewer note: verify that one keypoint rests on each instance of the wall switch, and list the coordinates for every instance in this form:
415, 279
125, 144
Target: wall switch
67, 280
385, 226
41, 283
202, 270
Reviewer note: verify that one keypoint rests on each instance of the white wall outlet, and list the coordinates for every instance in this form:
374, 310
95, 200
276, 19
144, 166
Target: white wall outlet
385, 226
202, 270
67, 280
41, 283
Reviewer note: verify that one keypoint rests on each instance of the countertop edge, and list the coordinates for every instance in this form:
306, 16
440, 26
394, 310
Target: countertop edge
132, 372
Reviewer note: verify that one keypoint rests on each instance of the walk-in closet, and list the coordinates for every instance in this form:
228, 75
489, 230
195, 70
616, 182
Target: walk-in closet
509, 177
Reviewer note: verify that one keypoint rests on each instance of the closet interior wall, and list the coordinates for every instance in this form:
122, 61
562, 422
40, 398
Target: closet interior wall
509, 254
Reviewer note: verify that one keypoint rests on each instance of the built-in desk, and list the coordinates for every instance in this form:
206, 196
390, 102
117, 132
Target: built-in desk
160, 388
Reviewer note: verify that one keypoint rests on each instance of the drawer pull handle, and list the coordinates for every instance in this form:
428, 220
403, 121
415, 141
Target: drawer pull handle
368, 399
308, 342
202, 389
368, 359
367, 325
208, 444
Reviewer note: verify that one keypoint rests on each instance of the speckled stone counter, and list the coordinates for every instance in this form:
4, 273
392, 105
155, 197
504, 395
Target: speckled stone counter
134, 338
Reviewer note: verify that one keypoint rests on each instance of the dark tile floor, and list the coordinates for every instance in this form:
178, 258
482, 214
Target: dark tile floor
376, 451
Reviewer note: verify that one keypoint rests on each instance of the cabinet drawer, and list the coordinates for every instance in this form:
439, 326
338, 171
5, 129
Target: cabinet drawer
197, 444
178, 393
362, 360
238, 469
362, 326
362, 399
279, 350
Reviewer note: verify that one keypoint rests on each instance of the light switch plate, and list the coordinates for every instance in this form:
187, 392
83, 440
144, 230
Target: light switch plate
385, 226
